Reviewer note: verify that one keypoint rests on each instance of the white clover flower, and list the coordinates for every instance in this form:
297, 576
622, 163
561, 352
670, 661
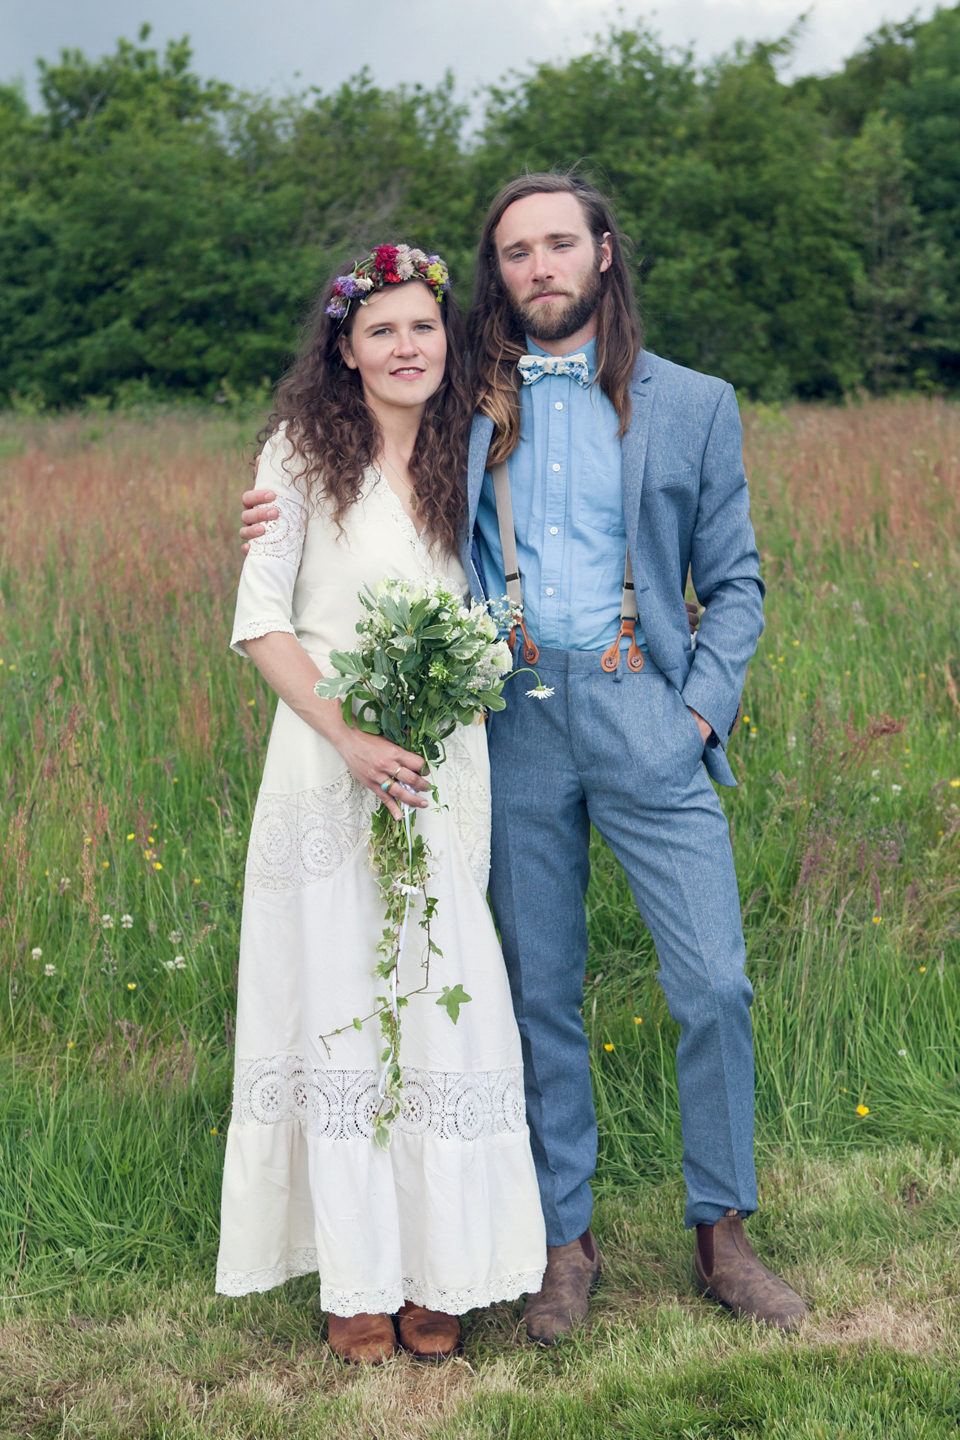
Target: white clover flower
179, 962
901, 1052
540, 692
106, 921
874, 799
49, 969
64, 883
36, 953
126, 921
896, 789
791, 742
874, 774
174, 937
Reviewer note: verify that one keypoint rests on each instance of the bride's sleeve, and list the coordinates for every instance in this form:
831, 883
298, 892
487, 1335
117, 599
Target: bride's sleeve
265, 596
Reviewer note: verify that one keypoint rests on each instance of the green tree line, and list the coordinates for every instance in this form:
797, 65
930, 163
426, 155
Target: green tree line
162, 235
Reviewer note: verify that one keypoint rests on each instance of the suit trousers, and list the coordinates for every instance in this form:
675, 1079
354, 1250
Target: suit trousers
624, 753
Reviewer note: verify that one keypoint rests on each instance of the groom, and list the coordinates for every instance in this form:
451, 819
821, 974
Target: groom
612, 453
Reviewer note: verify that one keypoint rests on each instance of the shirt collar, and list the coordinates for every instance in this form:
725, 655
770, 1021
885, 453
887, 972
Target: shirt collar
590, 350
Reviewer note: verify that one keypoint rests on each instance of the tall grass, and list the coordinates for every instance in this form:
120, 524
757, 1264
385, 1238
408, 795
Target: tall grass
131, 745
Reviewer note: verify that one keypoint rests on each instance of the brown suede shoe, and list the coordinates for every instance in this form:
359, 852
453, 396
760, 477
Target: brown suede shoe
362, 1339
561, 1302
428, 1334
728, 1268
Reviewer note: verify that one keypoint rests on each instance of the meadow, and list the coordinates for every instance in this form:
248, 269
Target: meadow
131, 742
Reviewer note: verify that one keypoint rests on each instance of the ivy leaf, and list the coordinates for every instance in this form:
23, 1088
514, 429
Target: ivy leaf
451, 1000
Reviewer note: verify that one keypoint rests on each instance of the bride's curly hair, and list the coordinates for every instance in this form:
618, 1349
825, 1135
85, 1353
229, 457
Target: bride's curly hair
334, 436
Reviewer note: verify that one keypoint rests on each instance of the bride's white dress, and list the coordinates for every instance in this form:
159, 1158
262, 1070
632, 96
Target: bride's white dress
449, 1217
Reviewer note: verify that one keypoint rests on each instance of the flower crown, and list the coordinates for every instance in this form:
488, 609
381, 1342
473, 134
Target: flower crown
387, 265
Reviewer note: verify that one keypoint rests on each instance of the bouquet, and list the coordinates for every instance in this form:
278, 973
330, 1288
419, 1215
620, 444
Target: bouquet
424, 664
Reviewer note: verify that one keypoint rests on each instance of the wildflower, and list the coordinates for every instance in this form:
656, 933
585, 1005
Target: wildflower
916, 564
177, 963
175, 780
214, 1130
874, 774
877, 919
131, 985
901, 1052
863, 1110
251, 702
791, 742
149, 839
746, 720
896, 789
638, 1019
106, 921
174, 937
49, 970
875, 799
131, 836
157, 865
796, 642
923, 969
196, 882
69, 1044
543, 692
608, 1046
954, 784
36, 953
106, 864
126, 921
922, 675
753, 731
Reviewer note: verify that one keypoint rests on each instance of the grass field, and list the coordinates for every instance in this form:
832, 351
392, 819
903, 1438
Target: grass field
131, 742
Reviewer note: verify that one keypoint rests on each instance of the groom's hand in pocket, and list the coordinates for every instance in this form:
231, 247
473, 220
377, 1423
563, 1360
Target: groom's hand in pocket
257, 510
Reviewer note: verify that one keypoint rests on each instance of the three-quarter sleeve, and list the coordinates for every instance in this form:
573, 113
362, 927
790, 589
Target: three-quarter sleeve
265, 595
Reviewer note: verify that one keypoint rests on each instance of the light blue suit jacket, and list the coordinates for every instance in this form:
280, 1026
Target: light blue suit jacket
686, 506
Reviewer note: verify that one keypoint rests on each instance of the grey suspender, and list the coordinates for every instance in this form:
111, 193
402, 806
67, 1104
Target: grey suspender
511, 566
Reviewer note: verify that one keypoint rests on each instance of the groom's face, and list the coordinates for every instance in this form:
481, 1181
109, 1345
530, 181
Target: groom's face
550, 264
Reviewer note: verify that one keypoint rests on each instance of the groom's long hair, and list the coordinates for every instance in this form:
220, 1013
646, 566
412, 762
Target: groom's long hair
496, 339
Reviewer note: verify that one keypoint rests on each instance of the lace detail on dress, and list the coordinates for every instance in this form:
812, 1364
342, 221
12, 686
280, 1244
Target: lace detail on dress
247, 1282
340, 1104
282, 538
301, 838
419, 546
432, 1297
469, 800
253, 630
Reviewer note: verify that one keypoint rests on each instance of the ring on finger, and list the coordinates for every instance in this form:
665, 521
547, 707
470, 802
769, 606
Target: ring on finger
385, 784
396, 772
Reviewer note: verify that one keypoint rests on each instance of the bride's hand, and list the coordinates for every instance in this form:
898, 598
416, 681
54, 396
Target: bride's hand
372, 760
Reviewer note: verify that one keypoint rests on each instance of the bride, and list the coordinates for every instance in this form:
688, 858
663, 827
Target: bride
365, 452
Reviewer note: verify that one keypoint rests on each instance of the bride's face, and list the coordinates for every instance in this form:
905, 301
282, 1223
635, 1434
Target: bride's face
398, 344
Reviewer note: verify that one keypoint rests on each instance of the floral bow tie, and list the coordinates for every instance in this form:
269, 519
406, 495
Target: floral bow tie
533, 368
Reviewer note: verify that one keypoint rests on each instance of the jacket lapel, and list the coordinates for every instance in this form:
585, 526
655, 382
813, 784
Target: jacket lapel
633, 455
481, 433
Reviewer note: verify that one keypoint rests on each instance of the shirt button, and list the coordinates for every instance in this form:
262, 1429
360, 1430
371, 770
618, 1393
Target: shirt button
549, 589
554, 530
556, 468
558, 405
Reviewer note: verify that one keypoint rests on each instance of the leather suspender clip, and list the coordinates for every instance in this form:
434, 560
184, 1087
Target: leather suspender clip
628, 625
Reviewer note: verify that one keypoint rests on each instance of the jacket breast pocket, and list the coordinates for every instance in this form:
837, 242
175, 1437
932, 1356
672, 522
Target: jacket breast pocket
680, 479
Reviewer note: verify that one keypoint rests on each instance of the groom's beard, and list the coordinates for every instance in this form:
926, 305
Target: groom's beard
559, 319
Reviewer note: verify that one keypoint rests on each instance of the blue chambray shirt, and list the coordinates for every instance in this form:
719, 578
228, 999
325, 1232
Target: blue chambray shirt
567, 511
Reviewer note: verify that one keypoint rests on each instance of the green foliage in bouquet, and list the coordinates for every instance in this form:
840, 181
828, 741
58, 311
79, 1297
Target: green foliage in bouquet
423, 665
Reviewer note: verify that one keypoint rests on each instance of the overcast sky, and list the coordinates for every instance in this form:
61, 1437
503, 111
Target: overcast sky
283, 45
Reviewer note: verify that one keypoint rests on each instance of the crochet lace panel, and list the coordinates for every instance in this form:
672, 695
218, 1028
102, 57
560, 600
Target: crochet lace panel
283, 538
301, 838
386, 1301
341, 1104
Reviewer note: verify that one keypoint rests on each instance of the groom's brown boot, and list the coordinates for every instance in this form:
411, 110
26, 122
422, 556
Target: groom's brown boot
728, 1268
361, 1339
561, 1302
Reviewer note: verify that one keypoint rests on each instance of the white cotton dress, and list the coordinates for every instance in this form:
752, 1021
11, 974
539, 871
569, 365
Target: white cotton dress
449, 1216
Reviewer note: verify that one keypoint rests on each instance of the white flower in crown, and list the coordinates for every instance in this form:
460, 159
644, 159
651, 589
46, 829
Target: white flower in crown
404, 262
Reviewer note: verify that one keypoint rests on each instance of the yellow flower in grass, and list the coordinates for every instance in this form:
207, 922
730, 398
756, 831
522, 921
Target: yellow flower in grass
955, 784
131, 836
923, 969
608, 1046
877, 919
638, 1019
863, 1110
131, 985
